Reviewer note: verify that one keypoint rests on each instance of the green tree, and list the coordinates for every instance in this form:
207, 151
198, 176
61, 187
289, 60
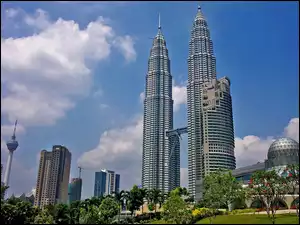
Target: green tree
162, 198
90, 215
120, 197
155, 196
109, 208
75, 212
135, 199
143, 193
43, 217
175, 210
232, 189
222, 187
269, 188
213, 194
292, 181
62, 214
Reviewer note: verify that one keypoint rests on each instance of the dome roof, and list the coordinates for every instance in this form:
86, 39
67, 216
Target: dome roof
282, 144
282, 152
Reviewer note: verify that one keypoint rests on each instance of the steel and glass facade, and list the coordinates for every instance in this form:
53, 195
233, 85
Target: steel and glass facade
75, 190
107, 182
158, 169
210, 129
217, 121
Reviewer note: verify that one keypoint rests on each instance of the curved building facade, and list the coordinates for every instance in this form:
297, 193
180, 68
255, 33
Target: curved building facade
157, 167
218, 132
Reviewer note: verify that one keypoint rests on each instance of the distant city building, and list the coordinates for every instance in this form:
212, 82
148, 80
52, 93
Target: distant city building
53, 176
159, 170
75, 188
107, 182
117, 183
282, 152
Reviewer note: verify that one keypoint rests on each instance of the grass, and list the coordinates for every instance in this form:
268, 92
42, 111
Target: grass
252, 219
246, 219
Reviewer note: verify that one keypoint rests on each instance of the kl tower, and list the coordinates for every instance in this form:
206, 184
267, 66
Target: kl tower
12, 145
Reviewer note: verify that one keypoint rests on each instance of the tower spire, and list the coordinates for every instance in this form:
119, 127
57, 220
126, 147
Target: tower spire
14, 134
159, 27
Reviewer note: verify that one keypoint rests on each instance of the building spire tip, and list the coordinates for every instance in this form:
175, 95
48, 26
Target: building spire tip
159, 27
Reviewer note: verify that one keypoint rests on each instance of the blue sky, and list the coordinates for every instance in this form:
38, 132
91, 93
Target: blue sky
69, 85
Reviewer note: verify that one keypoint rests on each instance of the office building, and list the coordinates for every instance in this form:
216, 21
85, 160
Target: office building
107, 182
204, 148
157, 166
53, 176
217, 123
75, 190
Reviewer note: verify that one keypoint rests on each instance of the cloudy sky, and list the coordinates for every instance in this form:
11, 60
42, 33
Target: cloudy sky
73, 73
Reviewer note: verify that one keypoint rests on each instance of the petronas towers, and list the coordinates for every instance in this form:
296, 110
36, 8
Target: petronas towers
158, 118
210, 122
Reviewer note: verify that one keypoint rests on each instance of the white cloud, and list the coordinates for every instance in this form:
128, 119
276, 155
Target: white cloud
104, 106
142, 97
126, 47
120, 149
39, 20
179, 96
11, 12
7, 130
292, 129
252, 149
45, 73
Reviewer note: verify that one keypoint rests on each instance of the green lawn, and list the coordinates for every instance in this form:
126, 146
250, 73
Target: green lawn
252, 219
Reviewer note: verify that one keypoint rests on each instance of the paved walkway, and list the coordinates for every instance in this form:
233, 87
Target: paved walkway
284, 211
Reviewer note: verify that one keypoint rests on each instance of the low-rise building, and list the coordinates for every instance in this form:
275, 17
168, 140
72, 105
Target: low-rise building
282, 152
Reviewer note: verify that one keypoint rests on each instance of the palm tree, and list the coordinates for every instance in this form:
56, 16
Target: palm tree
161, 199
156, 195
143, 192
149, 196
75, 212
62, 214
120, 197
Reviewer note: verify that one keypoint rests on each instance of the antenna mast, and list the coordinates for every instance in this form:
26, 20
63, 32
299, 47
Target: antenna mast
79, 171
159, 27
15, 128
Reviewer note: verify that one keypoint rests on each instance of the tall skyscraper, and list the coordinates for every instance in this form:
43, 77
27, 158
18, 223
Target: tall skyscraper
53, 176
107, 182
202, 69
157, 165
75, 190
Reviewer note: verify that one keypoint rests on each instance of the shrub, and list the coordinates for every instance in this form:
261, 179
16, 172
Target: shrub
147, 216
241, 211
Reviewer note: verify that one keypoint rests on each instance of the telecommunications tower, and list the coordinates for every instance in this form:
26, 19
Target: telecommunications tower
12, 145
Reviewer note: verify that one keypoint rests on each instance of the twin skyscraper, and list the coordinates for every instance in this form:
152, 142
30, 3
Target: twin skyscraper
210, 121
